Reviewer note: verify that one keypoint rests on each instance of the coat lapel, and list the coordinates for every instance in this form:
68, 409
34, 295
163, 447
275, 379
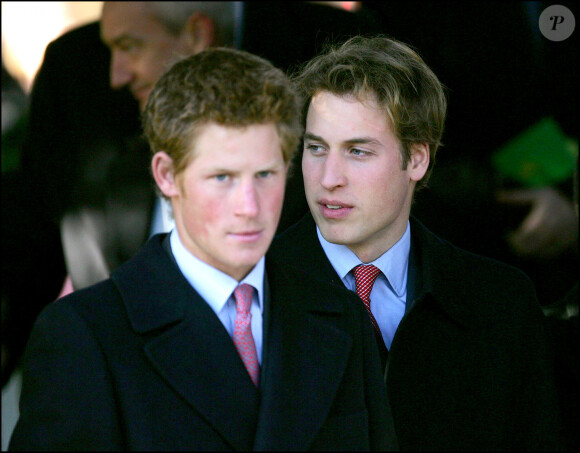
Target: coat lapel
307, 355
192, 350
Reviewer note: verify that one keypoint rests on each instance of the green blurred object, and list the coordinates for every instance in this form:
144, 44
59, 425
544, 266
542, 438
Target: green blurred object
540, 156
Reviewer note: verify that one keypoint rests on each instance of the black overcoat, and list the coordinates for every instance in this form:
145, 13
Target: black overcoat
470, 366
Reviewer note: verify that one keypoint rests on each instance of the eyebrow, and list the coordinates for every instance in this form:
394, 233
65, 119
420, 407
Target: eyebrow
351, 141
312, 137
124, 38
270, 166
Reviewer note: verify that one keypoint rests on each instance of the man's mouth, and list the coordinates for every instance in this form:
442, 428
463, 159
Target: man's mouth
334, 204
334, 209
247, 236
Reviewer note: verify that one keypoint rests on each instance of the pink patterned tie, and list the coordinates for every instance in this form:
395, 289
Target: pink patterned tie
364, 277
243, 339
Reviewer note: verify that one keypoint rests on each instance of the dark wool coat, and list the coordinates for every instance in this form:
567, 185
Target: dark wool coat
469, 367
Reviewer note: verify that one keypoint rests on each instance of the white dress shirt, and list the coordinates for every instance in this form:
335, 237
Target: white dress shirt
389, 293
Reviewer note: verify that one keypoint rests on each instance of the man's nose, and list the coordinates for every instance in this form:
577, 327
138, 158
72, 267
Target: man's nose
247, 203
121, 73
332, 172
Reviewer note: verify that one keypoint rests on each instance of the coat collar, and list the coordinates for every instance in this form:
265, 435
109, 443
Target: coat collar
143, 282
210, 376
440, 273
300, 246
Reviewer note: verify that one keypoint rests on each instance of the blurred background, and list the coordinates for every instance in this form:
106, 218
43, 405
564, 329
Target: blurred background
28, 27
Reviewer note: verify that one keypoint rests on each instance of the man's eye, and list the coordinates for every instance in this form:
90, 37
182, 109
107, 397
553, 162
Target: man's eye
264, 174
128, 46
358, 152
221, 177
315, 149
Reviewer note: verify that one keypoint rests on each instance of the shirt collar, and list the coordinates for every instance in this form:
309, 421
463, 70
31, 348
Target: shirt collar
213, 285
393, 263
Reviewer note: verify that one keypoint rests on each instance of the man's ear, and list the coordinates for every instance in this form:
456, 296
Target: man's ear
163, 173
200, 33
419, 162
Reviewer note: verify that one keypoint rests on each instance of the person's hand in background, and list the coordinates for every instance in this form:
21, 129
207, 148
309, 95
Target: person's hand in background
551, 227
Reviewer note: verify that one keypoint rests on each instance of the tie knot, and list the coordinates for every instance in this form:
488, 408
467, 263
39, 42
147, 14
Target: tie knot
243, 295
364, 278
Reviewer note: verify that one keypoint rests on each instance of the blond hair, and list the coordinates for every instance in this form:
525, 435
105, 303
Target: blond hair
224, 86
389, 73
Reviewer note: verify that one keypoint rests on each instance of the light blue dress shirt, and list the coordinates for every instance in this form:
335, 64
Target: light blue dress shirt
389, 293
217, 288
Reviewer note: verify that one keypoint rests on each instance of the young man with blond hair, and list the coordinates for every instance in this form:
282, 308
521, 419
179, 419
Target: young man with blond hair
463, 339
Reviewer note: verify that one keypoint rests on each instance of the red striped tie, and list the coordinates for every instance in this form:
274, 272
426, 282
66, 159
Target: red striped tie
243, 339
364, 277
